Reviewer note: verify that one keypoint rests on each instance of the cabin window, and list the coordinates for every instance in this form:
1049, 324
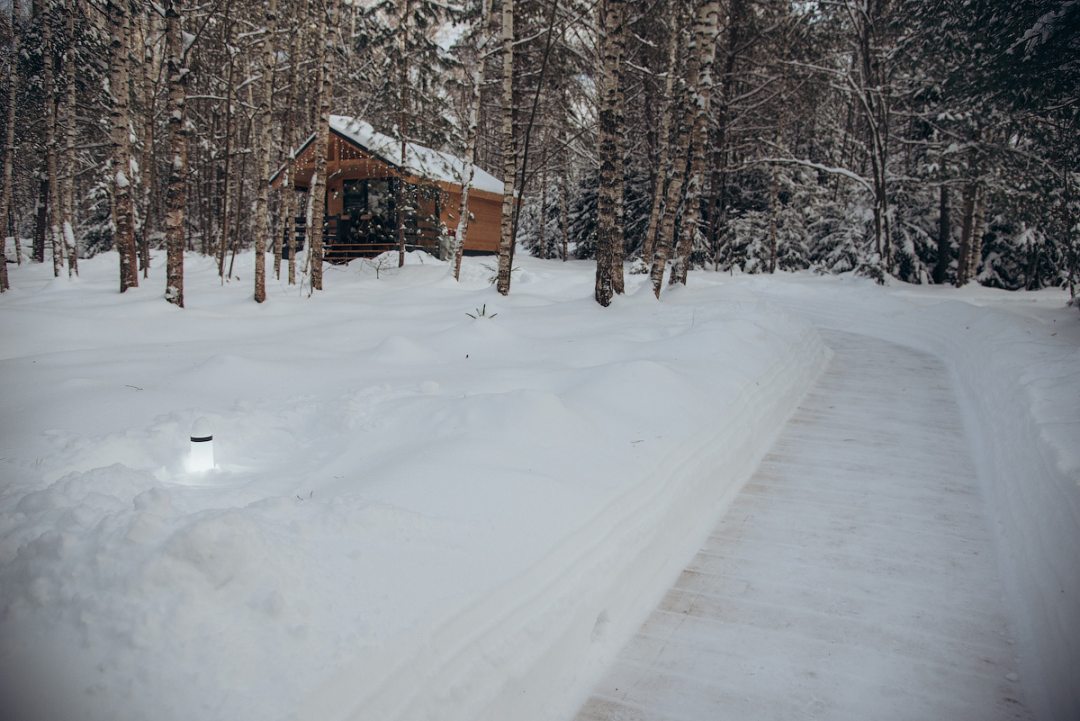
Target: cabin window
381, 196
369, 208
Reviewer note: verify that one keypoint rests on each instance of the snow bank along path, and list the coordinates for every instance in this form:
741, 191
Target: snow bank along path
416, 515
528, 649
854, 576
1016, 370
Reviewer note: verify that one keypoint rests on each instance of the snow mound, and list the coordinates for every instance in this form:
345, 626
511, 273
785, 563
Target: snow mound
415, 514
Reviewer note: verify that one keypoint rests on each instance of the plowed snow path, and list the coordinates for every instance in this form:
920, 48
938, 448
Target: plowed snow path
853, 577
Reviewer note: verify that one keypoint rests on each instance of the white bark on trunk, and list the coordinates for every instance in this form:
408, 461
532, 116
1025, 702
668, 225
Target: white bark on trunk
289, 205
265, 126
50, 115
6, 223
682, 110
618, 244
146, 164
506, 229
67, 191
176, 190
322, 142
608, 232
663, 170
123, 208
707, 30
470, 137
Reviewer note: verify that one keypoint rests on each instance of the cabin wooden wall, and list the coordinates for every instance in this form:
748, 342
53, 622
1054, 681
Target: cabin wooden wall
483, 232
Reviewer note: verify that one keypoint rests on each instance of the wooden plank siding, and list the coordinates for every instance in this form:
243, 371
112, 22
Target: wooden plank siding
483, 233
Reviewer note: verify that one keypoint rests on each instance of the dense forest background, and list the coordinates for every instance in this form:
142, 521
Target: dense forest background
930, 141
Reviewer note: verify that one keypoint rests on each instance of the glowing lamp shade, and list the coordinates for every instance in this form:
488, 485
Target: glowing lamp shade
201, 456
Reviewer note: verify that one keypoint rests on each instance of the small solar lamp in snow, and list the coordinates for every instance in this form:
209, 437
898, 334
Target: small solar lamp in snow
201, 457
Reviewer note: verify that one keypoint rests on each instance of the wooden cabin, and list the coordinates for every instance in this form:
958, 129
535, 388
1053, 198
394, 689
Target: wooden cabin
363, 171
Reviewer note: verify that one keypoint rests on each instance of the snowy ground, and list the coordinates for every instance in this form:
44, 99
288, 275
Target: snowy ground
1014, 359
421, 515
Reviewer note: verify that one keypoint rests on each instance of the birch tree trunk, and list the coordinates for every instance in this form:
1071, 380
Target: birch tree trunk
974, 255
718, 201
607, 231
403, 129
969, 202
322, 142
146, 164
506, 229
774, 203
470, 137
123, 208
226, 195
944, 246
1069, 224
245, 152
542, 241
6, 211
176, 191
67, 190
265, 126
666, 238
41, 221
667, 109
288, 205
684, 110
50, 115
707, 28
618, 241
564, 216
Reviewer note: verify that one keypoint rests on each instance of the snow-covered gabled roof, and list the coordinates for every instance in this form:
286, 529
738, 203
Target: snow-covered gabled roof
419, 160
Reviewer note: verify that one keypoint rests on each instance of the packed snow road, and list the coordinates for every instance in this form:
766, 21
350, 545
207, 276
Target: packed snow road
854, 576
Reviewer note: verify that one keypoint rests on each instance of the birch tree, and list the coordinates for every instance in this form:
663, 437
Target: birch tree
403, 128
263, 148
477, 84
618, 244
322, 142
49, 114
666, 239
706, 30
609, 231
226, 181
506, 229
148, 96
663, 166
122, 204
176, 190
6, 210
288, 134
68, 124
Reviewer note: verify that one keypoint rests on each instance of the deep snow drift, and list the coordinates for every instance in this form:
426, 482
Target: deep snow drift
414, 511
417, 514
